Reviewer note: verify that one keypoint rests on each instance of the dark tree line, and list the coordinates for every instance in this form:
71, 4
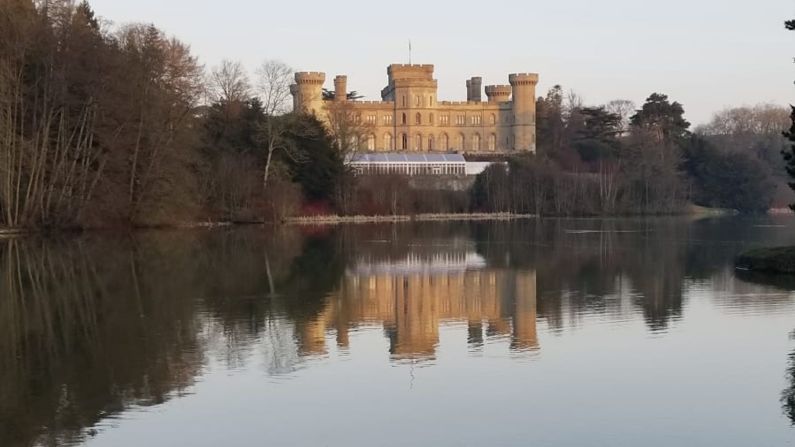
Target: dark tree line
104, 127
122, 126
615, 159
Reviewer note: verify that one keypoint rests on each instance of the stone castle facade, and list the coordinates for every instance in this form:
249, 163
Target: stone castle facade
410, 117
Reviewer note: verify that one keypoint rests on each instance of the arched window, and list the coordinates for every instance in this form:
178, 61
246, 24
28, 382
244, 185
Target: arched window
417, 100
430, 118
431, 142
404, 100
493, 119
492, 142
418, 142
418, 118
371, 143
476, 142
445, 143
388, 142
404, 118
405, 142
430, 100
460, 143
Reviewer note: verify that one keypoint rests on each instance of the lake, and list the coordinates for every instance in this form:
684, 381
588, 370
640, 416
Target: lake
582, 332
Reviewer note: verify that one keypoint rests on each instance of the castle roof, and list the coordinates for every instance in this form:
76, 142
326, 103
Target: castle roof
401, 157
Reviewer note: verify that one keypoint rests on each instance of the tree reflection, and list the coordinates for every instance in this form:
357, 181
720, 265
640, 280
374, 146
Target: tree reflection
788, 395
92, 325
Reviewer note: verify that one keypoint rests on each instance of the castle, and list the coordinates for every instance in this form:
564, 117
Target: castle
411, 118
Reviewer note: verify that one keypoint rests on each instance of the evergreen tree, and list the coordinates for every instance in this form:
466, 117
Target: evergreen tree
789, 154
663, 118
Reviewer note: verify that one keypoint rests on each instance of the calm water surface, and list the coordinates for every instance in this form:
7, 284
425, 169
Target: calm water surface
543, 333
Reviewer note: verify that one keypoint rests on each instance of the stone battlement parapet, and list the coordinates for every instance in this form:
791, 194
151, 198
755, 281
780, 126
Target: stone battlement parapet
310, 77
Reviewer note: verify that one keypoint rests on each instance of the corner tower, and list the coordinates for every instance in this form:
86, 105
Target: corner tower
308, 92
523, 107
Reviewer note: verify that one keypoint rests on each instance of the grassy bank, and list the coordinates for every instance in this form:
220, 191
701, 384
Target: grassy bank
771, 260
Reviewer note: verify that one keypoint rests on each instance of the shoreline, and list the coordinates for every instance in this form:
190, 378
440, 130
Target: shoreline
336, 220
775, 260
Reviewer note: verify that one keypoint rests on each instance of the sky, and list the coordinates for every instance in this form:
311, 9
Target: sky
706, 54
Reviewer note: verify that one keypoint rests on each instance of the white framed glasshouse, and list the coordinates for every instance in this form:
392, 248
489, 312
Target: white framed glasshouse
408, 164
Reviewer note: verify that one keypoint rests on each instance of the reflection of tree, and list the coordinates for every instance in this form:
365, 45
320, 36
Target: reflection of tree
82, 338
788, 395
90, 326
591, 266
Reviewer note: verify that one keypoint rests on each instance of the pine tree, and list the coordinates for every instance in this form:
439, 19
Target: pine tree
789, 155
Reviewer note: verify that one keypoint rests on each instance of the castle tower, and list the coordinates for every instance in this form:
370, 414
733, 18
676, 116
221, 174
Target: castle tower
341, 88
308, 92
524, 111
474, 89
412, 89
498, 93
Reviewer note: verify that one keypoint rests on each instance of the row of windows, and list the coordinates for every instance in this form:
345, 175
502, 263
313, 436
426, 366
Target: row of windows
444, 120
410, 169
419, 143
419, 101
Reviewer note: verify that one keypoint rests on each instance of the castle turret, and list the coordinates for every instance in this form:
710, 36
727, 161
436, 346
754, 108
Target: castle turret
341, 88
308, 92
498, 93
524, 110
474, 89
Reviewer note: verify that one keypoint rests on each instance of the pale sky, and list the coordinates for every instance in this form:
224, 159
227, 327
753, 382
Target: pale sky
706, 54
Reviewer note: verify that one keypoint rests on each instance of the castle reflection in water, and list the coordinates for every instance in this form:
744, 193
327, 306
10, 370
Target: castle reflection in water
413, 296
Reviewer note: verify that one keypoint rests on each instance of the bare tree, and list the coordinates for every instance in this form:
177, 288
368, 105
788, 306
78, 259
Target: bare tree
273, 89
346, 126
273, 86
624, 108
229, 82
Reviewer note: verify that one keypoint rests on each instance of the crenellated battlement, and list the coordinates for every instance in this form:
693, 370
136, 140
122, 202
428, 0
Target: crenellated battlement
373, 103
406, 71
498, 90
426, 67
310, 77
411, 117
523, 79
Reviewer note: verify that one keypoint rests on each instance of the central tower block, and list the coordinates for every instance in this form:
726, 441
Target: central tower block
524, 111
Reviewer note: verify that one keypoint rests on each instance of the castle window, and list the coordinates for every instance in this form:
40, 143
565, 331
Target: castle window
388, 142
404, 119
405, 141
417, 101
404, 100
492, 142
418, 118
387, 120
460, 120
430, 118
357, 118
475, 120
460, 143
430, 143
445, 143
493, 119
476, 142
371, 143
372, 119
418, 142
444, 120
